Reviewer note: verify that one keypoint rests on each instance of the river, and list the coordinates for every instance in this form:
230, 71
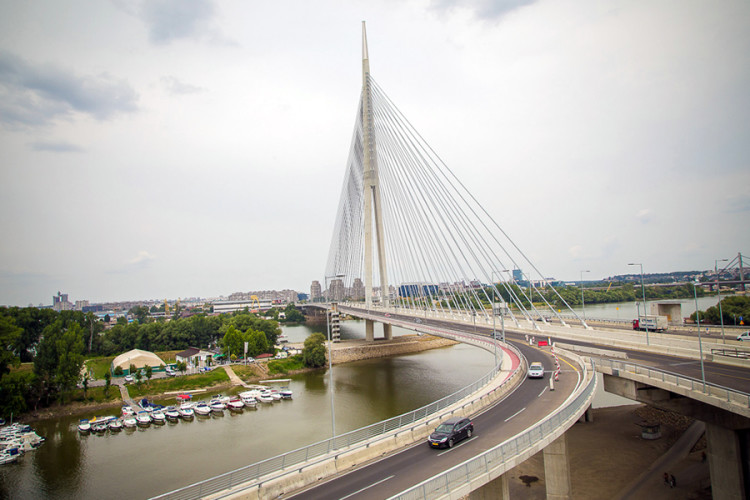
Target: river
142, 463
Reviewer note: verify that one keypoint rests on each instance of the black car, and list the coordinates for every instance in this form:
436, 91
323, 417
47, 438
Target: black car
450, 432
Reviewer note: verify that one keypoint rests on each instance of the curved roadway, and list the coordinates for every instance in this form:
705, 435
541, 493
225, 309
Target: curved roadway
528, 404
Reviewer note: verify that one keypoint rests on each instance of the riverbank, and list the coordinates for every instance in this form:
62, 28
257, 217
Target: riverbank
343, 352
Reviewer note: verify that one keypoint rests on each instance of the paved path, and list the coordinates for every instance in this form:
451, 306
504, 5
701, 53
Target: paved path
126, 396
234, 378
645, 485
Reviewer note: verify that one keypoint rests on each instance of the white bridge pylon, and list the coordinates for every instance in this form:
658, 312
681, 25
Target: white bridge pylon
444, 254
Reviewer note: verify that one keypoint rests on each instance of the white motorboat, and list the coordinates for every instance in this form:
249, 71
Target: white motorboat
265, 397
158, 417
127, 410
221, 398
217, 406
202, 409
129, 421
172, 414
84, 427
9, 454
100, 427
115, 425
186, 411
235, 404
248, 398
282, 339
143, 418
286, 394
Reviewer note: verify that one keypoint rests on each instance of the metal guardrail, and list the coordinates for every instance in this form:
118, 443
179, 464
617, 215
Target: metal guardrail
322, 449
697, 385
462, 474
732, 353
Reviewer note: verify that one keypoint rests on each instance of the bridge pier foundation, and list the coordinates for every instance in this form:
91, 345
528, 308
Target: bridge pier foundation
557, 469
369, 330
387, 331
725, 462
497, 489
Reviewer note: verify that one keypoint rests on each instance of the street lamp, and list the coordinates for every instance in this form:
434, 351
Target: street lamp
718, 294
502, 316
698, 321
583, 303
330, 364
643, 290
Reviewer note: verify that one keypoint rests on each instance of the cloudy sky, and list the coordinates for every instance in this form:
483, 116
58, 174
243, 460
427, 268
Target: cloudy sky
177, 148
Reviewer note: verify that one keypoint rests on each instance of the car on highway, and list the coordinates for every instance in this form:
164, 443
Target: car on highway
744, 336
451, 432
536, 370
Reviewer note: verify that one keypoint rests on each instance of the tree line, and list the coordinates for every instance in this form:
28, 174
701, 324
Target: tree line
58, 342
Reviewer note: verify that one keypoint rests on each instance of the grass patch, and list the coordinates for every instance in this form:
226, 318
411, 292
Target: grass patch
247, 372
179, 383
22, 368
99, 366
284, 366
93, 395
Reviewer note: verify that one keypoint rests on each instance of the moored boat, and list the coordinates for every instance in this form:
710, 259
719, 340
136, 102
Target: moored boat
186, 411
235, 404
158, 417
143, 418
172, 414
115, 425
202, 409
129, 421
286, 394
84, 427
217, 406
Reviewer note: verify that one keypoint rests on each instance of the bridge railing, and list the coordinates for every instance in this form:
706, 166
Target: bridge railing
323, 449
715, 390
499, 459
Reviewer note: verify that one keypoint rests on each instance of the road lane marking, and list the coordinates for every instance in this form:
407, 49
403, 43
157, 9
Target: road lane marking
457, 445
367, 487
516, 413
543, 391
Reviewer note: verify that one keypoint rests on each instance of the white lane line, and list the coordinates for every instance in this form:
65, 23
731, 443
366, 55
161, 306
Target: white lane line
366, 487
516, 413
543, 391
448, 450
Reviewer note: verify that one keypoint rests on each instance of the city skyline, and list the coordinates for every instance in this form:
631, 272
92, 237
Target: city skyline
165, 149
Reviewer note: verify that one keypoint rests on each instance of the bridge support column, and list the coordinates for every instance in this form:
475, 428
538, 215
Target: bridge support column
557, 469
369, 330
497, 489
725, 463
387, 331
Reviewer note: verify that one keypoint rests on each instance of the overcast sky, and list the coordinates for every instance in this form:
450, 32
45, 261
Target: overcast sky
177, 148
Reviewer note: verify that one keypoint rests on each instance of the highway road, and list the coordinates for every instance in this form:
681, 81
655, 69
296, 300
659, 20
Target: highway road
521, 409
733, 377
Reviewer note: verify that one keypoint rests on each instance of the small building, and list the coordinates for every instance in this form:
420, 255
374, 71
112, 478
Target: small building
193, 356
137, 358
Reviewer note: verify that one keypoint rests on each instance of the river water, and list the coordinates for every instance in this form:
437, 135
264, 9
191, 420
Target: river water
142, 463
629, 310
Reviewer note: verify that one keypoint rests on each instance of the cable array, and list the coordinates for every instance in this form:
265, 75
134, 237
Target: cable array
443, 250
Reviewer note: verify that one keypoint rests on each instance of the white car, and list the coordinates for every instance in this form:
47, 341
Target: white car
129, 379
744, 336
536, 370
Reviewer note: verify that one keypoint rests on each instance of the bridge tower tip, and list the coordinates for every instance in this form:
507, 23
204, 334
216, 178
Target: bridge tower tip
364, 41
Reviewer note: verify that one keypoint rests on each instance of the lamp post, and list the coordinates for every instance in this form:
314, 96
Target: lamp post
583, 303
643, 291
502, 316
330, 364
718, 294
698, 322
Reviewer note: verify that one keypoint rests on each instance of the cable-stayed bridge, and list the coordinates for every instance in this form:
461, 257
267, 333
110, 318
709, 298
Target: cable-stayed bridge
412, 247
409, 234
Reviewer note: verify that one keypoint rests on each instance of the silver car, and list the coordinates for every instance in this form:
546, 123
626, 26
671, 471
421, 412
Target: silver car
536, 370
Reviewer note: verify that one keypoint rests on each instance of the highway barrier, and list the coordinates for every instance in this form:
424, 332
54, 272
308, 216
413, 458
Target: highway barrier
460, 480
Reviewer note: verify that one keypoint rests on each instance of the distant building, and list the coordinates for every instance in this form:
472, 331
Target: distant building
315, 293
336, 291
60, 302
358, 289
80, 304
194, 356
517, 275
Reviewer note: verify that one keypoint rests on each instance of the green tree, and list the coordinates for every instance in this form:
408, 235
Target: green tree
149, 372
107, 319
138, 376
314, 350
233, 341
108, 382
70, 351
141, 313
181, 366
9, 334
293, 315
118, 371
122, 320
